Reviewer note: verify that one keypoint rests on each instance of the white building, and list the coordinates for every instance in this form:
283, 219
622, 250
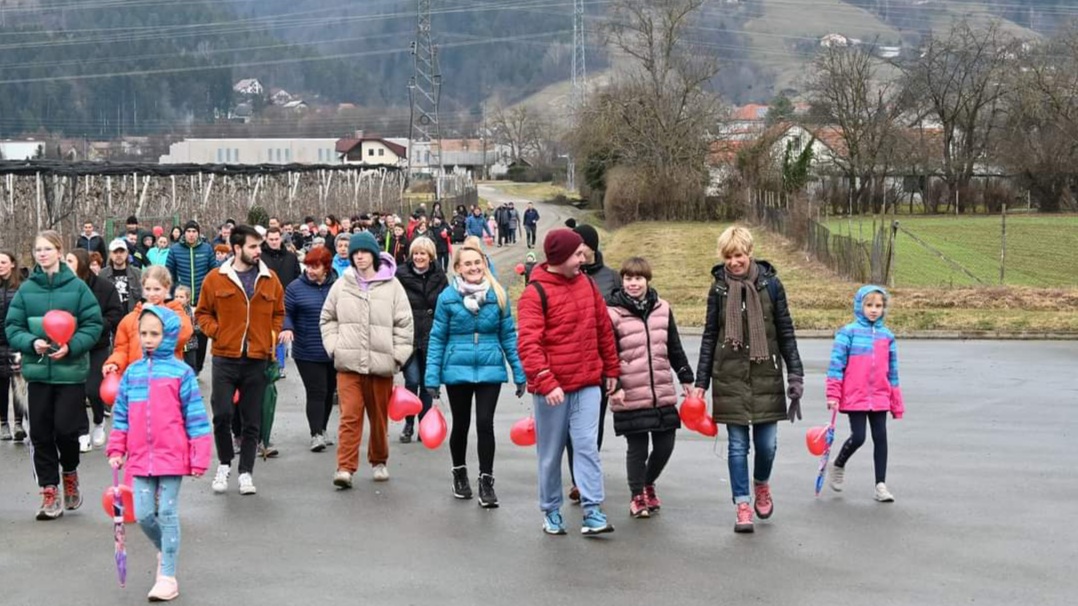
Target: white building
373, 151
252, 151
248, 86
21, 150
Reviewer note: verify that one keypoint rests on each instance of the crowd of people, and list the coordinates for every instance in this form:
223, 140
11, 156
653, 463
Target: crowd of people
360, 300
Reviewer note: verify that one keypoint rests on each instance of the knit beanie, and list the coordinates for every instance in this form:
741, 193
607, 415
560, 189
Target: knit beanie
560, 244
588, 235
192, 224
363, 241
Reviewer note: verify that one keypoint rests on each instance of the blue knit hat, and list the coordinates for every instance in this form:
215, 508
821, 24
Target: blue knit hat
363, 241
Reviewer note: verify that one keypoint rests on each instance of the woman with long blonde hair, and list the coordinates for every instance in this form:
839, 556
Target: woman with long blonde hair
472, 338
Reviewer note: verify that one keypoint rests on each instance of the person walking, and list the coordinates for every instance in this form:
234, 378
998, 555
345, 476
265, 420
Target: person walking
442, 244
366, 326
55, 373
531, 224
471, 340
10, 279
241, 307
127, 349
303, 301
512, 223
567, 348
112, 312
279, 259
189, 262
91, 241
423, 280
123, 276
748, 338
476, 224
161, 439
159, 254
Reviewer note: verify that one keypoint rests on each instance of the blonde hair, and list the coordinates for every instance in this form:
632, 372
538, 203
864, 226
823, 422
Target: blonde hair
159, 273
54, 238
185, 290
735, 239
424, 244
474, 242
499, 292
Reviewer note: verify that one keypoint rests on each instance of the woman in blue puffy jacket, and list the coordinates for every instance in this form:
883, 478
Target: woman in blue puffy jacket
472, 339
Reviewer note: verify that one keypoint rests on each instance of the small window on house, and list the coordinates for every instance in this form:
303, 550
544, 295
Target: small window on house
381, 152
220, 155
288, 154
236, 156
370, 152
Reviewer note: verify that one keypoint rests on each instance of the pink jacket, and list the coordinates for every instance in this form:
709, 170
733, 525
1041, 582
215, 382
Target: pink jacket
158, 420
863, 373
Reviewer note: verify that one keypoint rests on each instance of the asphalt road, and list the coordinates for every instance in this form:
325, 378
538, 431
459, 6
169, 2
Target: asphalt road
980, 468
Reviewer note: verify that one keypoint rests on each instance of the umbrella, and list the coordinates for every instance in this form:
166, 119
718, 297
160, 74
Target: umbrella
269, 400
119, 533
826, 453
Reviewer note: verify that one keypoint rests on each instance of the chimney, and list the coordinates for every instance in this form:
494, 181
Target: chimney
359, 133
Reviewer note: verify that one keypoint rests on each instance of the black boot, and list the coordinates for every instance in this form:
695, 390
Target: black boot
487, 498
406, 434
462, 488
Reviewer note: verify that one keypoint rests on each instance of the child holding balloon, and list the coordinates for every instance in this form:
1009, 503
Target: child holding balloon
645, 401
862, 382
156, 284
160, 440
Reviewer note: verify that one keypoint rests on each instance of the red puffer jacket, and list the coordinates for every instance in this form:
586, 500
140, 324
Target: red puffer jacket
568, 342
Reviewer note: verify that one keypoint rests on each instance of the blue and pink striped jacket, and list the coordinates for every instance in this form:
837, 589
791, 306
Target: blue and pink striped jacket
158, 419
863, 374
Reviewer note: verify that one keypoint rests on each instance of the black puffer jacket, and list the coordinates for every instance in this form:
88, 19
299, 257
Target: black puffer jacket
112, 309
747, 393
605, 278
283, 263
7, 294
423, 290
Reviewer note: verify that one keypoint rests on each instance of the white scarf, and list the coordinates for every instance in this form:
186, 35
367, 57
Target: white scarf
474, 295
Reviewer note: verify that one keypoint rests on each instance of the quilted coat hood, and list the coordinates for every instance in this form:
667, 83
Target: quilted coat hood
859, 303
171, 322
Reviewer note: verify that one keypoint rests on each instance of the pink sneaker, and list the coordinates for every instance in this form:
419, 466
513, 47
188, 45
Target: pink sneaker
744, 518
764, 506
638, 507
654, 504
164, 590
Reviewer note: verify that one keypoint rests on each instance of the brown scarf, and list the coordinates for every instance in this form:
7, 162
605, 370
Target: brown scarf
743, 293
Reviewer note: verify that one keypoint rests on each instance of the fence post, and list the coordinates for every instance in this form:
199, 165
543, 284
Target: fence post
890, 273
1003, 247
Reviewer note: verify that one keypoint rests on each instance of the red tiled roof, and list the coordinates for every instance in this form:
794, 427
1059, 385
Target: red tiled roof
346, 145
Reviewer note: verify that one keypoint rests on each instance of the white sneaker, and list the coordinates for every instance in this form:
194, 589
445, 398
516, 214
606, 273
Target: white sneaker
318, 443
247, 484
838, 477
220, 481
381, 473
98, 436
84, 443
883, 495
342, 479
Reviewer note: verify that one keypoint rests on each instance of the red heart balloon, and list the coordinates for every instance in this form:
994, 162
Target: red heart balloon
127, 498
707, 426
692, 410
432, 428
523, 432
110, 386
403, 403
59, 326
816, 440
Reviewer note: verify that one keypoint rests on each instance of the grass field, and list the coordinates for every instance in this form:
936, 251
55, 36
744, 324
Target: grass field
531, 191
1042, 250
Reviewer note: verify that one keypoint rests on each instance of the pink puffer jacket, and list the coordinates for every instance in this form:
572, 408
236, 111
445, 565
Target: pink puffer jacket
645, 363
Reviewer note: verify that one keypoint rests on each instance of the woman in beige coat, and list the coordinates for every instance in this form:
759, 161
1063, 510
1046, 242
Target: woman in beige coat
366, 328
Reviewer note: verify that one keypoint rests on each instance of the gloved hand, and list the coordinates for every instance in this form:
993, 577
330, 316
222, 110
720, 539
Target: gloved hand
521, 388
794, 391
435, 393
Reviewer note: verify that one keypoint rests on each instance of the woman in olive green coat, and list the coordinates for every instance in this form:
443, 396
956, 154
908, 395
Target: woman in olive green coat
55, 373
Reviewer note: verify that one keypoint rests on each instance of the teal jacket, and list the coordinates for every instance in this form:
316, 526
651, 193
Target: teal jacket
38, 295
471, 348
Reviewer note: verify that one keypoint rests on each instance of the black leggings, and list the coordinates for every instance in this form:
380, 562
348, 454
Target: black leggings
878, 421
5, 401
460, 403
56, 415
642, 469
320, 383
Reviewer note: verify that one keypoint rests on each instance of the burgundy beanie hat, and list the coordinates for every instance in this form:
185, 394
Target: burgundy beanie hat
560, 244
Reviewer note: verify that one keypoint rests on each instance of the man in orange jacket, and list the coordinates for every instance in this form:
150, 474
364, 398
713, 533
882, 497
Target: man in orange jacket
241, 308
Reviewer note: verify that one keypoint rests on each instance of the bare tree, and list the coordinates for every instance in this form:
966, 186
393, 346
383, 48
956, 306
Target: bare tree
960, 81
848, 90
518, 128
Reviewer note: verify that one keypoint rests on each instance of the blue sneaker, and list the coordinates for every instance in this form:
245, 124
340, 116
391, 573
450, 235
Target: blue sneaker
595, 523
552, 523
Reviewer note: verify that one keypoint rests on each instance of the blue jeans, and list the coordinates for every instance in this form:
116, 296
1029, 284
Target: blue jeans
576, 418
765, 437
157, 509
414, 370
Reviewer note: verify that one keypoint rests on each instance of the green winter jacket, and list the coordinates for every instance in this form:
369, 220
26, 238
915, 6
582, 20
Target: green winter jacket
23, 325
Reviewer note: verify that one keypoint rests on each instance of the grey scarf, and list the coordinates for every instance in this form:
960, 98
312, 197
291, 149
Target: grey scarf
475, 295
743, 293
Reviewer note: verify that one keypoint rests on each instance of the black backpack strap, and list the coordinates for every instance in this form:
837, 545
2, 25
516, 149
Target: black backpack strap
542, 294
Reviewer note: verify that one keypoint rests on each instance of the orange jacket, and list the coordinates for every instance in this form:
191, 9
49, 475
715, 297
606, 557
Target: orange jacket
128, 347
225, 315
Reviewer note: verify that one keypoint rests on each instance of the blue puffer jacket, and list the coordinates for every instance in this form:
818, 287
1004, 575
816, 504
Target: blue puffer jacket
189, 266
303, 300
471, 348
477, 226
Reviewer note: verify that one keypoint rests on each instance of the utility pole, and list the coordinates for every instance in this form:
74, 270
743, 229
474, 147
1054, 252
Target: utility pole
579, 80
424, 89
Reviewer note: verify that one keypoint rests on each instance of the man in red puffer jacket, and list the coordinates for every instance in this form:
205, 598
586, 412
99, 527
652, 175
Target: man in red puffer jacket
567, 347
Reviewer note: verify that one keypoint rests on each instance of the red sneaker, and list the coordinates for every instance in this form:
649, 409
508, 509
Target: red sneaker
744, 518
654, 504
764, 506
638, 507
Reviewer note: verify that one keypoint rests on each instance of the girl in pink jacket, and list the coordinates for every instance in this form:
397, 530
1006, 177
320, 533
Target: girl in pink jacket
161, 432
645, 401
862, 382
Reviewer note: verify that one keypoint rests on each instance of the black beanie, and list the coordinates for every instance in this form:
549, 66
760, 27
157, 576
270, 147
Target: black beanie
588, 235
192, 224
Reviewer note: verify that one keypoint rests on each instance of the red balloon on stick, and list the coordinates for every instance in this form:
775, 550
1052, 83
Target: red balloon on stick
523, 432
404, 403
816, 440
432, 428
59, 326
706, 425
127, 497
110, 386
